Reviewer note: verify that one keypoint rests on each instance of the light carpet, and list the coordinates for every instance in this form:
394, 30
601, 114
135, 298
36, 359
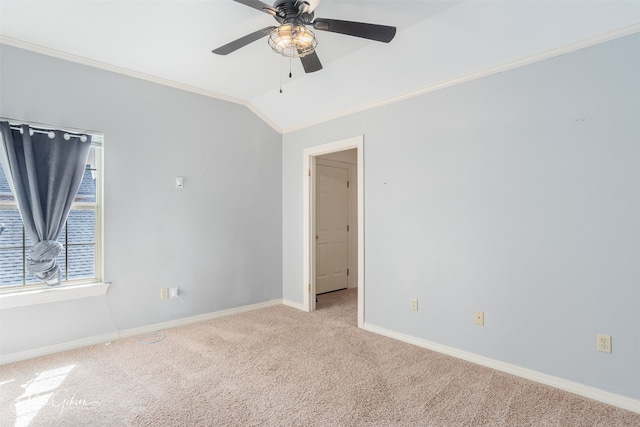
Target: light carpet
280, 367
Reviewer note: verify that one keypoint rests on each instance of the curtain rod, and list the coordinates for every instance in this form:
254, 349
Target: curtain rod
96, 139
67, 136
18, 122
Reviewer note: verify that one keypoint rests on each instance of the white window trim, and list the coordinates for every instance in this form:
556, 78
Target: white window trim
24, 298
32, 294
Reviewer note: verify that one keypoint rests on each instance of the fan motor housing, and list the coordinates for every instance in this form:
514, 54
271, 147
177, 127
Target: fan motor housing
287, 10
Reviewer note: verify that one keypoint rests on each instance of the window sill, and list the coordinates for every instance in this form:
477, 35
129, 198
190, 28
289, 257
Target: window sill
42, 296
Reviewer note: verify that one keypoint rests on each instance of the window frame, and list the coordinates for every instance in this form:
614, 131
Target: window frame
34, 293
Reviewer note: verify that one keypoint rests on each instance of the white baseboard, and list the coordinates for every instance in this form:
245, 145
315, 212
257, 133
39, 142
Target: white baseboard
609, 398
195, 319
57, 348
104, 338
295, 305
560, 383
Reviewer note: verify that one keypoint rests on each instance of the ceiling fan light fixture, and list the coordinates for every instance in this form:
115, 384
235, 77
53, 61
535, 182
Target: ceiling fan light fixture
293, 40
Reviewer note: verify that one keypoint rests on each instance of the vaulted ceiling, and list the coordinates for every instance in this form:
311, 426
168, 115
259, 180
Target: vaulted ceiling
438, 43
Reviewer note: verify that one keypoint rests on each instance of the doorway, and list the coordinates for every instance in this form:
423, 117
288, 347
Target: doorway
329, 162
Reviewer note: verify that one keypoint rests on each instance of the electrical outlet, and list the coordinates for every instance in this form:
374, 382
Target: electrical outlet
173, 292
414, 304
164, 293
480, 318
604, 343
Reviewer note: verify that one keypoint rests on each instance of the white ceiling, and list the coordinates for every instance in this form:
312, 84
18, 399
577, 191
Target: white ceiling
438, 43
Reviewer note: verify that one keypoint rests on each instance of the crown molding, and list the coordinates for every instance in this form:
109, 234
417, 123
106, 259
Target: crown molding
530, 59
258, 112
131, 73
120, 70
527, 60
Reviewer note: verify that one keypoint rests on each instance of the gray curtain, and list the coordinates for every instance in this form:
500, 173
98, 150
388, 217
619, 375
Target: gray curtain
46, 173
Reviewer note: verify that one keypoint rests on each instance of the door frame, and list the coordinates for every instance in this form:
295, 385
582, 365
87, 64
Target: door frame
309, 218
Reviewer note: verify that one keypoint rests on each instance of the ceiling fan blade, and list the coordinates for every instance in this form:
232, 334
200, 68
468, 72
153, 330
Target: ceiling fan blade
263, 7
311, 62
381, 33
243, 41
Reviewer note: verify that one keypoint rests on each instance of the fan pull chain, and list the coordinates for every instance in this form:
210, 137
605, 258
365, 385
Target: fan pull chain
290, 70
280, 75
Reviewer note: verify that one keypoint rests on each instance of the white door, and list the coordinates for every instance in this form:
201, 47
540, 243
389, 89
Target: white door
331, 228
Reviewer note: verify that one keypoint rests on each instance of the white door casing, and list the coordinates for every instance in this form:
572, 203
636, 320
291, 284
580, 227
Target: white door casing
331, 228
308, 219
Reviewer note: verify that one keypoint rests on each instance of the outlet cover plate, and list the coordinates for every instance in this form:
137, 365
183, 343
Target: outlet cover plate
480, 318
604, 343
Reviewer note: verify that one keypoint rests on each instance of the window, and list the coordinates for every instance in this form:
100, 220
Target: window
80, 261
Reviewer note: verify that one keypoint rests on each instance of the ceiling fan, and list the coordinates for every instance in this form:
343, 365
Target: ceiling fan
292, 39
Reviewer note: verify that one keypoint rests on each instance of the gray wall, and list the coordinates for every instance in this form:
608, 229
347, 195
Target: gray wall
516, 194
218, 239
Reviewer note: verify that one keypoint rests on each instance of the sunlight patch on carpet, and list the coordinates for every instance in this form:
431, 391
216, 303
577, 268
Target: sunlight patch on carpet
38, 393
